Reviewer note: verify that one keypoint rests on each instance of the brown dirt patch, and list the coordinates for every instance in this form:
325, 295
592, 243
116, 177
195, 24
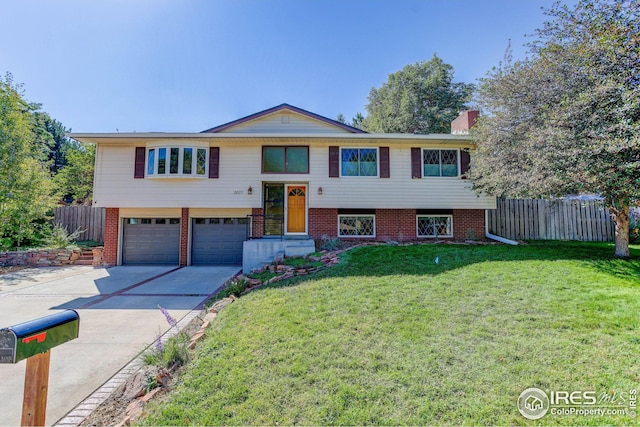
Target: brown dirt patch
12, 268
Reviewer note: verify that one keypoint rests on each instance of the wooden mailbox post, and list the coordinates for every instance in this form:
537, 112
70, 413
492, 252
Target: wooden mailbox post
33, 341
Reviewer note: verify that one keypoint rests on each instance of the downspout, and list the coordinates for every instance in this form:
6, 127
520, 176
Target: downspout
493, 236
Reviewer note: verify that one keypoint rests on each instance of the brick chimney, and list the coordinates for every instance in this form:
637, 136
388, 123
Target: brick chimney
464, 122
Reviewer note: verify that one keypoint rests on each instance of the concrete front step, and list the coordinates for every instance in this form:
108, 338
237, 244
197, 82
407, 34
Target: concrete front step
256, 253
83, 262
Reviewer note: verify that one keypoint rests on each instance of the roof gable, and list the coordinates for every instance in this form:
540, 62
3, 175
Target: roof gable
284, 118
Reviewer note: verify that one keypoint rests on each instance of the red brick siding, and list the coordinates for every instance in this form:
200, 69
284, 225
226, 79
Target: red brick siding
395, 224
257, 226
110, 254
464, 122
465, 220
184, 236
323, 222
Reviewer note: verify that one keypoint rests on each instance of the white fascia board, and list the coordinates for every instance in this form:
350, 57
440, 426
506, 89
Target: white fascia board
121, 137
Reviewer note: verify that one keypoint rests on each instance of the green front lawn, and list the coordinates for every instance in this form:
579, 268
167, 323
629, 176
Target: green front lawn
389, 337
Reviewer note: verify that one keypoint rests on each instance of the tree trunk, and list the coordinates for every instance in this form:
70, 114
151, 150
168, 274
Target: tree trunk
620, 216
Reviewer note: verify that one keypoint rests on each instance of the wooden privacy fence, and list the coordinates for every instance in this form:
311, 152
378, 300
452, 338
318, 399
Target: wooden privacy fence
86, 218
534, 219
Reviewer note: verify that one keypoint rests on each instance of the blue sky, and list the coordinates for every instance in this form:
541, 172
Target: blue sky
188, 65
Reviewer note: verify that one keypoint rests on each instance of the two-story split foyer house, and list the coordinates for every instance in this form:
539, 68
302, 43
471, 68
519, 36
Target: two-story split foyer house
281, 175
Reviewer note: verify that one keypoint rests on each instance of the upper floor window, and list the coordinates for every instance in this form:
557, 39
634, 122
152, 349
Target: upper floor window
439, 162
285, 159
176, 161
359, 161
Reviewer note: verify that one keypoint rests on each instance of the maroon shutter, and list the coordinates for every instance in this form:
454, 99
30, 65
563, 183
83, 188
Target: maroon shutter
334, 162
138, 168
416, 162
384, 162
214, 162
465, 159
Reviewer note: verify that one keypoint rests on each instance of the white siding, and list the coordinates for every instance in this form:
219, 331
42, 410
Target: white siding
399, 191
150, 213
115, 185
218, 212
282, 122
240, 168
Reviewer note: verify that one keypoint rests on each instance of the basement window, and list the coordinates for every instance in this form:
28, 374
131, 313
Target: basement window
356, 225
434, 226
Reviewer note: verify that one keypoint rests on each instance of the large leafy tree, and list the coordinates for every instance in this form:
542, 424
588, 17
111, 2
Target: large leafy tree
567, 119
76, 178
51, 135
356, 122
25, 184
420, 98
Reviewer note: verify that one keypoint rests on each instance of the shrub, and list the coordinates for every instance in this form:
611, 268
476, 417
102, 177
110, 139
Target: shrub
60, 238
330, 243
174, 352
235, 288
471, 234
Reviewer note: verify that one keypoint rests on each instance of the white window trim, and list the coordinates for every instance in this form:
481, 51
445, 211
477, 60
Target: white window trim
180, 174
439, 149
377, 175
418, 235
340, 216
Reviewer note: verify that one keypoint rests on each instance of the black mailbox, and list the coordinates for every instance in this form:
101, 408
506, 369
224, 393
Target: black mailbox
37, 336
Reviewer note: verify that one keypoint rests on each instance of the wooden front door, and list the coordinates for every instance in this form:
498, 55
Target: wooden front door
296, 209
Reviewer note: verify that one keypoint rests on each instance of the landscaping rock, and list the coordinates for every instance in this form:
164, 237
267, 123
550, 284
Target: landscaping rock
195, 338
219, 305
136, 386
163, 377
153, 393
134, 409
97, 256
40, 257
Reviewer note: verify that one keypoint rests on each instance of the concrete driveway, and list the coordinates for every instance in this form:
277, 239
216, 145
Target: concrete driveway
119, 317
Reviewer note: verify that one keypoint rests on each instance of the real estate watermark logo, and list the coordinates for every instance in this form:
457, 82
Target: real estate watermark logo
534, 403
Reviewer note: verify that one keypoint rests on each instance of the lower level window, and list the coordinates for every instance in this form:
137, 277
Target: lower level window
435, 226
356, 225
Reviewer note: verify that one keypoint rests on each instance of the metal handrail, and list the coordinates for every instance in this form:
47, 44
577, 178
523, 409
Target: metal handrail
278, 219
